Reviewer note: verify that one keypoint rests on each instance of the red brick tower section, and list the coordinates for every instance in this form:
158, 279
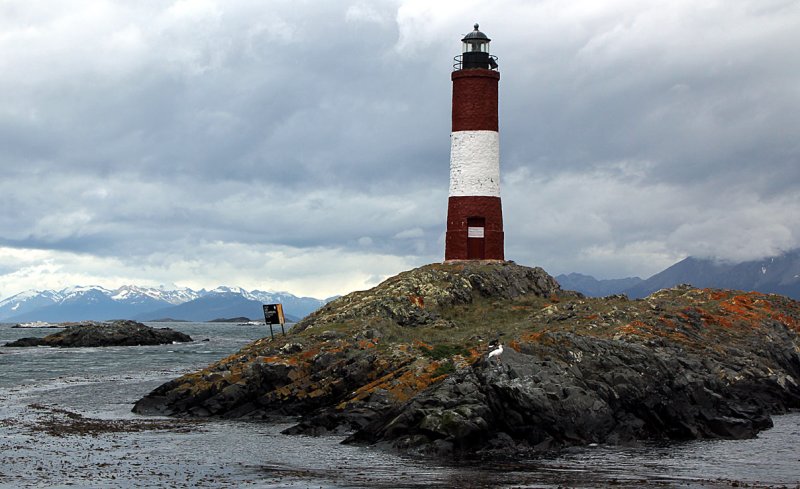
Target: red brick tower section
474, 211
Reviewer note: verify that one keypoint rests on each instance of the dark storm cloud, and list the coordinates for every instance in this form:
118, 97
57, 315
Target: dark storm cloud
238, 93
633, 133
699, 95
283, 100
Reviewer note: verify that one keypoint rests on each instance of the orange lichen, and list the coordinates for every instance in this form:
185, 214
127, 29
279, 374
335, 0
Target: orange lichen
531, 337
413, 381
788, 321
750, 307
628, 329
716, 320
716, 295
667, 322
634, 327
514, 345
281, 360
742, 301
401, 384
670, 330
421, 344
417, 300
474, 354
365, 390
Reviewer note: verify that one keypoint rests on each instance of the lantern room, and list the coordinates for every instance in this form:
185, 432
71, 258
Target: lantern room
475, 52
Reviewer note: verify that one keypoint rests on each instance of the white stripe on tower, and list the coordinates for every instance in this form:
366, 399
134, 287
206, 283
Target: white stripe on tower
475, 163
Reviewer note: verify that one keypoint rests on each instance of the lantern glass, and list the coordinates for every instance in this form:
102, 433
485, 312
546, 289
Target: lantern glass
475, 47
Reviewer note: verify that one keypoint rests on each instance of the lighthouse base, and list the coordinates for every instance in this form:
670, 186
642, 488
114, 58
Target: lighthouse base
474, 229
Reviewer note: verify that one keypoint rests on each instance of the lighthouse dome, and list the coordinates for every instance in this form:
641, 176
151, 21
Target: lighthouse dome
476, 35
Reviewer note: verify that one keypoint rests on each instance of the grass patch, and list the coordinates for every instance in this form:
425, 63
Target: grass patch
482, 320
446, 368
441, 351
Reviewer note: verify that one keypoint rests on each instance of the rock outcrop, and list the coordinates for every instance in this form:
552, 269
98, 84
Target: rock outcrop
405, 365
113, 333
421, 297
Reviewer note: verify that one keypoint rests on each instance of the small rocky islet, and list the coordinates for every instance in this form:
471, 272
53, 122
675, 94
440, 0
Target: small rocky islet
112, 333
406, 366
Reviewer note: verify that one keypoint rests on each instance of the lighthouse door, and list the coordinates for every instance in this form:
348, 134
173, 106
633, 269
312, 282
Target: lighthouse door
476, 242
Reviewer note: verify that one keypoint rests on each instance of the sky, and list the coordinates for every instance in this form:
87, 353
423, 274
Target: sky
303, 146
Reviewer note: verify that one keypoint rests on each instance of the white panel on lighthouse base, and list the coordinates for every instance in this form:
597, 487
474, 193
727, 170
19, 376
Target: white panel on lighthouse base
475, 232
475, 163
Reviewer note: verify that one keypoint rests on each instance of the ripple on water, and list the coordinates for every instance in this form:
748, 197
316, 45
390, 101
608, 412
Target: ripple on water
101, 384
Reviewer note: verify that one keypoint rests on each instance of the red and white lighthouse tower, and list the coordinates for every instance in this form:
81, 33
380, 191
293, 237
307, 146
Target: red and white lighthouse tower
474, 212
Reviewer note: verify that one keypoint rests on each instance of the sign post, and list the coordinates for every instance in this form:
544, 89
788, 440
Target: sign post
273, 314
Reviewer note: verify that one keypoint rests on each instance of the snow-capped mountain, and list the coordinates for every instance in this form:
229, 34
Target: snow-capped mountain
132, 294
28, 301
94, 302
229, 302
81, 303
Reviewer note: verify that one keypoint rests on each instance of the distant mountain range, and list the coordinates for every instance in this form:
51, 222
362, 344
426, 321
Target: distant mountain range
777, 275
147, 304
588, 285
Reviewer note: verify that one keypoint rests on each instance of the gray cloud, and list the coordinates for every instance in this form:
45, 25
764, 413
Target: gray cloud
147, 135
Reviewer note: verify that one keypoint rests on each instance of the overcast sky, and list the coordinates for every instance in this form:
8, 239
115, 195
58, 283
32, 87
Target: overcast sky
304, 145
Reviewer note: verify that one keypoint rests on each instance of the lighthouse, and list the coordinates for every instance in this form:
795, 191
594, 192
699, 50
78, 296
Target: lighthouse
474, 212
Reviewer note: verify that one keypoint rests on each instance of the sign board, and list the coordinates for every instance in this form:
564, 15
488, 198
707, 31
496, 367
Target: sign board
273, 314
474, 232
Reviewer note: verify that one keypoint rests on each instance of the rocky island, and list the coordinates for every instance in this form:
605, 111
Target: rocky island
407, 365
112, 333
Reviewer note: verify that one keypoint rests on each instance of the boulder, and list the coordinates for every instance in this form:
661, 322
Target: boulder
113, 333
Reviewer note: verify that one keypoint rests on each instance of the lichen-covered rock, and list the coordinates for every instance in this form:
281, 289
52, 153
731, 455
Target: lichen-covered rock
406, 365
416, 297
113, 333
568, 389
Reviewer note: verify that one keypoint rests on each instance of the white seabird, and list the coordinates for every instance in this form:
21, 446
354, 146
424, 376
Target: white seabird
495, 352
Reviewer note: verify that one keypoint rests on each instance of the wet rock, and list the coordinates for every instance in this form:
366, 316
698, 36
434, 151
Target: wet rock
113, 333
25, 342
619, 392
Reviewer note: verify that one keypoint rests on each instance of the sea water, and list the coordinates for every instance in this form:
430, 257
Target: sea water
43, 389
